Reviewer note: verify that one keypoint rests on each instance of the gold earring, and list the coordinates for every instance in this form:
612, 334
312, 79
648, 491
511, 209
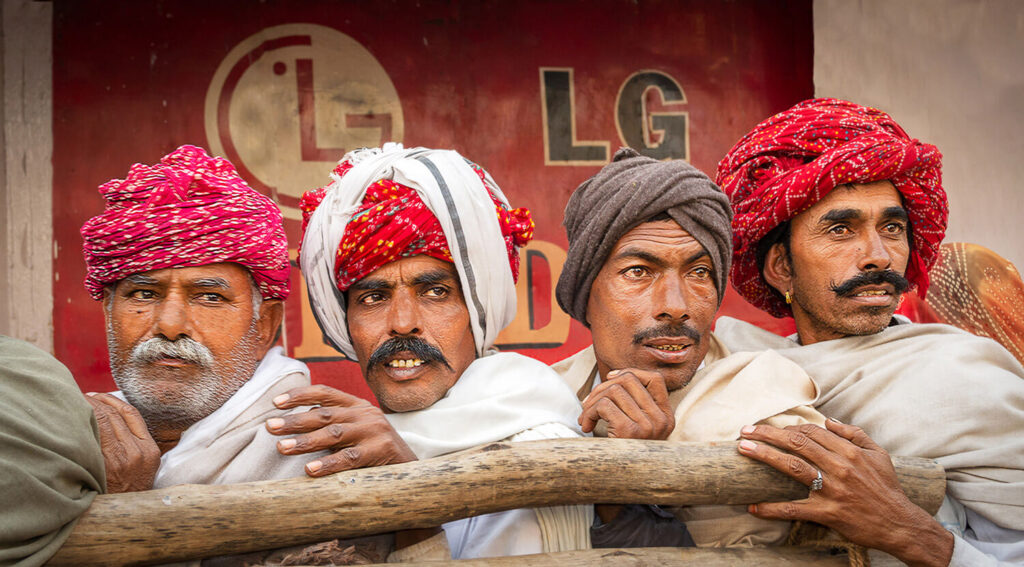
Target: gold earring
789, 298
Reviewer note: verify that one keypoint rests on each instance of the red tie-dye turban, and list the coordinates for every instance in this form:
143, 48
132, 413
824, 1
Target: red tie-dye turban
393, 222
793, 159
188, 210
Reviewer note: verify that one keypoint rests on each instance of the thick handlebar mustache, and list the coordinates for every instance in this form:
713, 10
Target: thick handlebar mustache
898, 282
419, 347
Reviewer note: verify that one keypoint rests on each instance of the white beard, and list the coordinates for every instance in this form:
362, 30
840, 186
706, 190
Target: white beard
196, 397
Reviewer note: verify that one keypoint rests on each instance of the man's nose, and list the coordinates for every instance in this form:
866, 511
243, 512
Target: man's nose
403, 315
669, 299
876, 255
172, 319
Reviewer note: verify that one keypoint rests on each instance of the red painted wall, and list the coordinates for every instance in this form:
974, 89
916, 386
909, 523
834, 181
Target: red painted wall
130, 84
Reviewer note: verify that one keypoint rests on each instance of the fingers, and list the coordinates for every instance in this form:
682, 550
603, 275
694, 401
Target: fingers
129, 415
355, 457
130, 455
801, 440
653, 382
316, 418
646, 388
326, 438
795, 510
111, 419
102, 412
634, 403
318, 395
853, 434
598, 409
624, 396
791, 465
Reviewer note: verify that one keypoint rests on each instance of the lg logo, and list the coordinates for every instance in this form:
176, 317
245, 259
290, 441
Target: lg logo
289, 101
649, 117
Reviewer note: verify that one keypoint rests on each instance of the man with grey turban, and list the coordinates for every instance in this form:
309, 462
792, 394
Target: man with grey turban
649, 252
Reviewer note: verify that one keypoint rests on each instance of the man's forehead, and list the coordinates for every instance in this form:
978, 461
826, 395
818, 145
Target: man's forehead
660, 235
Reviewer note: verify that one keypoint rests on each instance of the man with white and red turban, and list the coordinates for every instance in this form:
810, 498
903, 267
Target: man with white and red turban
410, 258
191, 265
838, 212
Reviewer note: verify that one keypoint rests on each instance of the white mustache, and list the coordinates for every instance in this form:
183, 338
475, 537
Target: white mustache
184, 348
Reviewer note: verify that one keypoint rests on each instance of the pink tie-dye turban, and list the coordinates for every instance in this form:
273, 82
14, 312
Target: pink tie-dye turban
188, 210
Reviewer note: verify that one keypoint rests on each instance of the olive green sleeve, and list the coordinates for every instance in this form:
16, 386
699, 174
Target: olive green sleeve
51, 466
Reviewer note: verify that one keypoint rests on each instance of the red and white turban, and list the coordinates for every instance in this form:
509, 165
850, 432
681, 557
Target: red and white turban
188, 210
792, 160
390, 203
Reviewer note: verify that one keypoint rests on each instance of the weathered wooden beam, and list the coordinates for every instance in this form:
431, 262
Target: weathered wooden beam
193, 521
664, 556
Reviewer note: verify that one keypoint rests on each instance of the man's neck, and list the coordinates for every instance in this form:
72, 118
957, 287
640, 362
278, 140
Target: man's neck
809, 336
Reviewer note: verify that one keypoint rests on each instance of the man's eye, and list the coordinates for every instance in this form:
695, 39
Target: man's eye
211, 297
894, 228
371, 298
702, 272
142, 294
636, 272
839, 230
437, 291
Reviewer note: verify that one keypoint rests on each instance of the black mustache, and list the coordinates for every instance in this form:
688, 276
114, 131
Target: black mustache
898, 282
419, 347
667, 330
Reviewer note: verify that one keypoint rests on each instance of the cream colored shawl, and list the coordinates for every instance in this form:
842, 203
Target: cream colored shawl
728, 392
930, 391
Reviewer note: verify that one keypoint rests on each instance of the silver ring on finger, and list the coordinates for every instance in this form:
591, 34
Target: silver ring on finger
817, 483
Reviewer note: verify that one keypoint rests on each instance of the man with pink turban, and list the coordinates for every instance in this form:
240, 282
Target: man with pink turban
411, 257
838, 212
191, 265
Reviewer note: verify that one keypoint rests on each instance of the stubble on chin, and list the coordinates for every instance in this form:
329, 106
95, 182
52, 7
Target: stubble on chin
174, 398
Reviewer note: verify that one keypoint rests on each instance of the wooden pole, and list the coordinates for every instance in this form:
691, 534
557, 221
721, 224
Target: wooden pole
194, 521
662, 556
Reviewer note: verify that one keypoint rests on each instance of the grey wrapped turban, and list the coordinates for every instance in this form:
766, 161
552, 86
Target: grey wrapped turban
625, 193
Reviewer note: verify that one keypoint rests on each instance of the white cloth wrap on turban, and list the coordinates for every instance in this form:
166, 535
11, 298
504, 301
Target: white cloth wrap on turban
452, 190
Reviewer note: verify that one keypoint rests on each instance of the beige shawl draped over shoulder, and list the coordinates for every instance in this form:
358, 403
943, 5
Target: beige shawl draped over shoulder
929, 391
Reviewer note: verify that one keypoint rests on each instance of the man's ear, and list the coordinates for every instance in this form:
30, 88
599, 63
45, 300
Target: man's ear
778, 271
271, 315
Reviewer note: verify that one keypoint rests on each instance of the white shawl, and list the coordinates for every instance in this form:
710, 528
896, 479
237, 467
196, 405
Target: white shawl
503, 396
452, 190
232, 444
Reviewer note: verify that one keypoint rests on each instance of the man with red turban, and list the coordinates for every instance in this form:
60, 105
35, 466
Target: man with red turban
838, 212
410, 258
191, 265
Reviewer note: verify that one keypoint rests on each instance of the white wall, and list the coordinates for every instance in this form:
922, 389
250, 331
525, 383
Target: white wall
26, 174
951, 72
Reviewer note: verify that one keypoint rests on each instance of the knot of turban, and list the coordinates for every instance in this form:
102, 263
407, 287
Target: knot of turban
188, 210
792, 160
388, 203
625, 193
